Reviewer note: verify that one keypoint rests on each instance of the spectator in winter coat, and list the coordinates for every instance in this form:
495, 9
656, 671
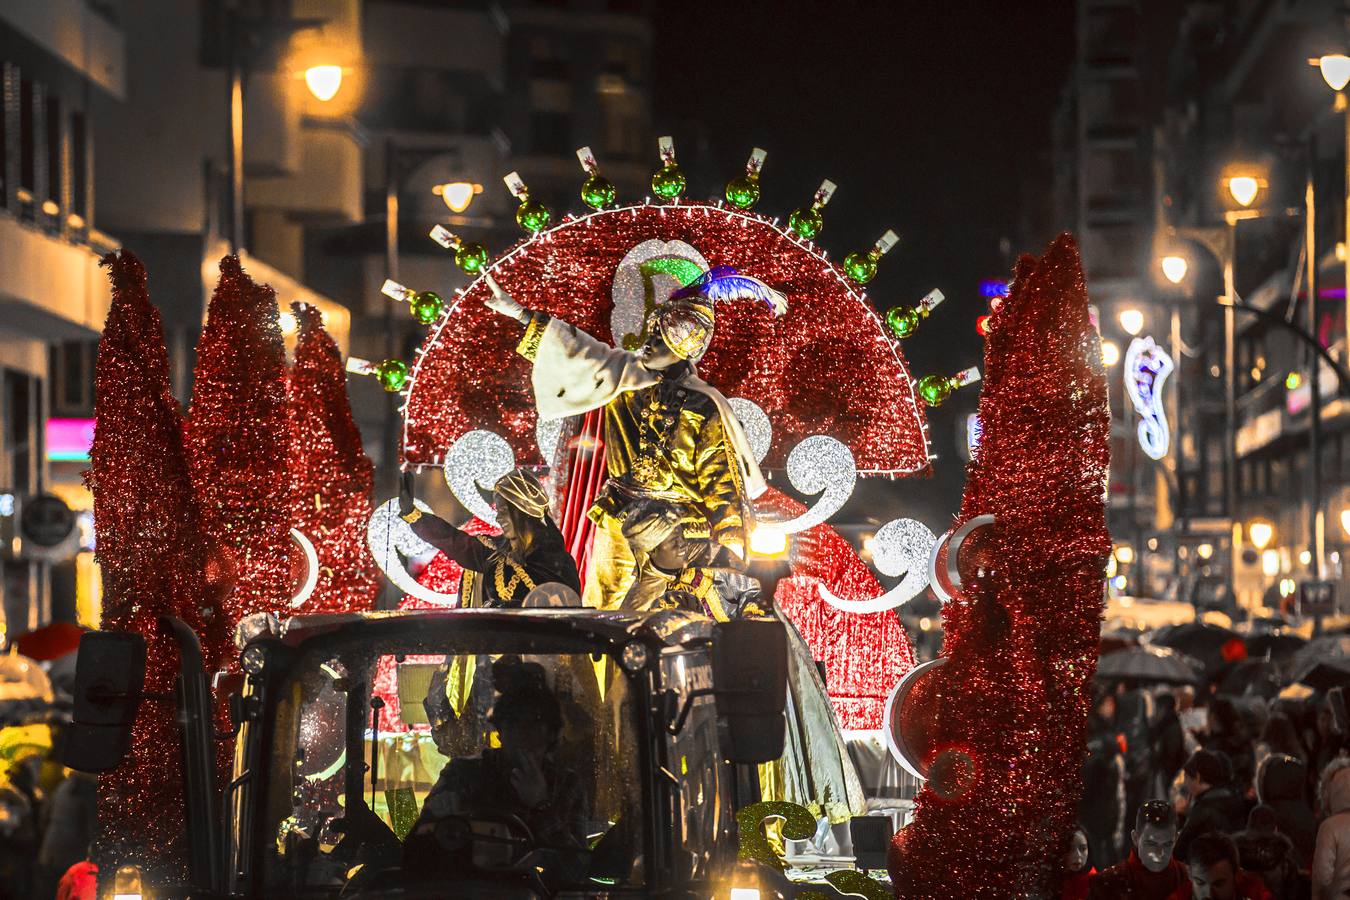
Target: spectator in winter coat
1265, 852
1280, 785
1169, 743
1102, 808
1331, 857
1215, 803
1216, 875
1150, 873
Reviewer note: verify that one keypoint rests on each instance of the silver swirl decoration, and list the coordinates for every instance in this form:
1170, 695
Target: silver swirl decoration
476, 461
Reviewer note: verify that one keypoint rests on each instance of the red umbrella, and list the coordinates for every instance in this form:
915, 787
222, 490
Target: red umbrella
50, 641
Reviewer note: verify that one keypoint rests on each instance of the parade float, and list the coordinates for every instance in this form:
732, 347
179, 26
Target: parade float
254, 507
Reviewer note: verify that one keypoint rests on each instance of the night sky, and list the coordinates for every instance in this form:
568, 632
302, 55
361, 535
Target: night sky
933, 118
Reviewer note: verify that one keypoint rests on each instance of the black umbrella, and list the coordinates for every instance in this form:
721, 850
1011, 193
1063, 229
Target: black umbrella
1210, 645
1276, 646
1324, 674
1251, 678
1328, 646
1147, 664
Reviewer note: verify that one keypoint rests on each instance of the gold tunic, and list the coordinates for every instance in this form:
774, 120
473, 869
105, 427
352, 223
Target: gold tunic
667, 442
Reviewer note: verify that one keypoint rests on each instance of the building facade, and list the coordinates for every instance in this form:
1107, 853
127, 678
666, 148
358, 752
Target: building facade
1171, 107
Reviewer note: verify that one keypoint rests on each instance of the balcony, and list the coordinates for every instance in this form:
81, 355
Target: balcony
53, 289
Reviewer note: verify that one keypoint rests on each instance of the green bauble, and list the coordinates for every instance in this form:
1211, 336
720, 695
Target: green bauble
860, 266
393, 374
934, 389
668, 182
743, 191
427, 306
471, 258
806, 223
533, 216
598, 192
902, 321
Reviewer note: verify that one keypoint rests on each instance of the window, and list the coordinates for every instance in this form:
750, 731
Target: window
56, 168
550, 133
27, 139
79, 161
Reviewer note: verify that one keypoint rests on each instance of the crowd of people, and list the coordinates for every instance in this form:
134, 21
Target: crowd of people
1197, 792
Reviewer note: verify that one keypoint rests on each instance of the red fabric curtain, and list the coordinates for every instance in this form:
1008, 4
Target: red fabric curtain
584, 475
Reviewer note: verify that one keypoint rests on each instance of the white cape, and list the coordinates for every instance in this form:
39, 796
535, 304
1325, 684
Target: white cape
574, 373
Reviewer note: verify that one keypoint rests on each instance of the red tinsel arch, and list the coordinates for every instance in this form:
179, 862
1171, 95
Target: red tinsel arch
826, 367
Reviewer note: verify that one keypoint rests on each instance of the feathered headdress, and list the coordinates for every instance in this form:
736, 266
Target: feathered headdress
721, 283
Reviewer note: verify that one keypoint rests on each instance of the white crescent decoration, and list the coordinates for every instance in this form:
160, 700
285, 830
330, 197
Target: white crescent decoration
388, 535
755, 423
819, 465
900, 546
477, 460
890, 725
311, 568
950, 575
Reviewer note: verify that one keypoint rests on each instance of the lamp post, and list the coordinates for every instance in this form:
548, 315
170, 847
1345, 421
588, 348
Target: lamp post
1335, 69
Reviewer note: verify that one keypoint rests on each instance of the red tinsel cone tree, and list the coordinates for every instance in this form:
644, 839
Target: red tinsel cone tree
238, 441
1010, 705
330, 475
152, 555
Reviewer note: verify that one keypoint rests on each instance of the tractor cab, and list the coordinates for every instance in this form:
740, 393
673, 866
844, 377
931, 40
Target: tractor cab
470, 753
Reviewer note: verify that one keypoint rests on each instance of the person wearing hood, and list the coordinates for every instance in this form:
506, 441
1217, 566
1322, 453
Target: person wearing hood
1331, 855
500, 571
1280, 785
1215, 804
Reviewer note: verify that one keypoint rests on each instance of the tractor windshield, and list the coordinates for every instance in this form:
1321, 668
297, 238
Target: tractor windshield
497, 759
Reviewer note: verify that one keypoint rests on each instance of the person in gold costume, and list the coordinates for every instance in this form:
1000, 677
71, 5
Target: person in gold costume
669, 435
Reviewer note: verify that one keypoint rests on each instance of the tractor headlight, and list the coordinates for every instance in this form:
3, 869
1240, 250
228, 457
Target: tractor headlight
127, 883
634, 656
253, 659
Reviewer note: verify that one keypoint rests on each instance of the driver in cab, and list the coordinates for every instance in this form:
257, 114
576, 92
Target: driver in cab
474, 797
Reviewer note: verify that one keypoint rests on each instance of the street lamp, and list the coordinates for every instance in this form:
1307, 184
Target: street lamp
457, 194
324, 81
1132, 320
1174, 268
1125, 553
1345, 521
1261, 532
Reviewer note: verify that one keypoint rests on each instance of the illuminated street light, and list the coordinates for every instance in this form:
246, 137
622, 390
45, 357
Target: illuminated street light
1345, 521
1260, 532
1205, 551
1110, 353
1270, 562
1244, 189
324, 81
1174, 267
289, 324
457, 194
1125, 553
1335, 70
1132, 320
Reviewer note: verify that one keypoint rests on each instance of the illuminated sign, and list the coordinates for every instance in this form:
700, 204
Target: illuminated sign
1146, 369
69, 440
993, 287
974, 431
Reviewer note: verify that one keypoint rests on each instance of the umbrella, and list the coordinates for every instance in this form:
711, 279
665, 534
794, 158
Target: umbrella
1324, 674
50, 641
1251, 677
1328, 646
1277, 646
1149, 664
1210, 645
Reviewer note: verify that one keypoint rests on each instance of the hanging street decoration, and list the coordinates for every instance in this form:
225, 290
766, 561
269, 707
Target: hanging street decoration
1147, 367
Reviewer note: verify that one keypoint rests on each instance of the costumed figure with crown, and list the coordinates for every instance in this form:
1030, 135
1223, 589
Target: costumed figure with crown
675, 451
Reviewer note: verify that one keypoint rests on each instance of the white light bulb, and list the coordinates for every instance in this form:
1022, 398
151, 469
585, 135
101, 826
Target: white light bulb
1174, 267
1110, 353
1243, 188
1132, 320
323, 81
1335, 70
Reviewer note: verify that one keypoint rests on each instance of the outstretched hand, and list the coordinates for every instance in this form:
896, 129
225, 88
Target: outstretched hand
504, 303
